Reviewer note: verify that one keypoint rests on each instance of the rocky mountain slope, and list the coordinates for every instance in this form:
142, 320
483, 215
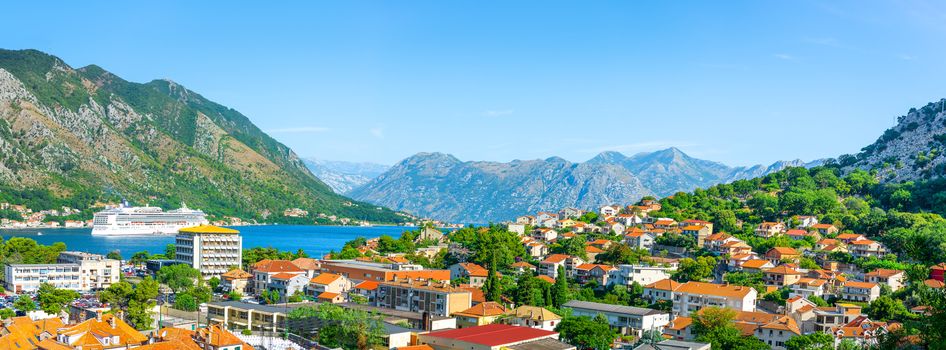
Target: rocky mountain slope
87, 131
440, 186
911, 150
344, 176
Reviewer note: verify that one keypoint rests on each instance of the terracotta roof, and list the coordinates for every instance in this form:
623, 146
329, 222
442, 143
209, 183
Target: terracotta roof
285, 275
783, 270
829, 241
272, 266
693, 228
325, 278
796, 232
934, 283
755, 263
940, 266
367, 285
416, 347
664, 222
783, 251
86, 329
476, 294
523, 264
680, 323
718, 237
822, 226
207, 229
714, 289
845, 236
664, 284
485, 309
307, 264
784, 323
534, 313
884, 273
589, 267
550, 279
237, 274
474, 269
555, 258
592, 249
327, 295
855, 284
218, 337
862, 242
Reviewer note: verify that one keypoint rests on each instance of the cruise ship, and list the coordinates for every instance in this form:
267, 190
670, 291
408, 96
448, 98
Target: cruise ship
126, 220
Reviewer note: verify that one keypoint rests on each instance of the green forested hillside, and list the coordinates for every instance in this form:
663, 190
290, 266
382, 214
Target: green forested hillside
85, 133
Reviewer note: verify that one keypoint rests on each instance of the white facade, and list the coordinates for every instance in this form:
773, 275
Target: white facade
213, 254
628, 274
96, 272
627, 319
693, 296
25, 278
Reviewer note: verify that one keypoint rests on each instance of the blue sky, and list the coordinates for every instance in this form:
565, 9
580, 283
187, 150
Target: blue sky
741, 82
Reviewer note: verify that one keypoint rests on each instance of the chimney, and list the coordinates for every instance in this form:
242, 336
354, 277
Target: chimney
114, 320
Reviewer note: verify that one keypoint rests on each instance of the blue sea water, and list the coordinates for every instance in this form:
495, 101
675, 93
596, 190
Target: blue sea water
314, 240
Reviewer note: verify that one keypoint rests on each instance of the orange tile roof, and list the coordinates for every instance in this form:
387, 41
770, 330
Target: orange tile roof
934, 283
862, 242
328, 295
856, 284
523, 264
475, 270
784, 323
592, 249
325, 278
714, 289
755, 263
664, 284
476, 294
718, 237
284, 275
552, 280
237, 274
416, 347
485, 309
829, 241
307, 263
86, 329
273, 266
884, 273
680, 323
555, 258
796, 232
218, 337
367, 285
845, 236
782, 270
693, 228
822, 226
783, 251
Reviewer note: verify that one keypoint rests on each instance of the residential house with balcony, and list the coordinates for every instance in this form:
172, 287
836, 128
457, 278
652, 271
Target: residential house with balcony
420, 295
860, 291
625, 319
692, 296
769, 229
892, 278
781, 276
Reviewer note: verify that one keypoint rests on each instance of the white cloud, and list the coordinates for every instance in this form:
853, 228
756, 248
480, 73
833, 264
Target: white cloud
783, 56
497, 113
376, 132
297, 130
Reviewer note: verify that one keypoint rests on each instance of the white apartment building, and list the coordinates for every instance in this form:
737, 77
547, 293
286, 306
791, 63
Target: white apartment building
692, 296
26, 278
626, 275
210, 249
96, 271
626, 319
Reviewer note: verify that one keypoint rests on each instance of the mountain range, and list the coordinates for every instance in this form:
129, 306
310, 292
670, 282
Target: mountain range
344, 176
87, 132
440, 186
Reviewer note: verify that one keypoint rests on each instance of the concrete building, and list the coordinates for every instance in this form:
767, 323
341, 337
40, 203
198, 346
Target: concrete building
626, 275
860, 291
692, 296
493, 337
420, 295
626, 319
97, 272
212, 250
26, 278
533, 316
360, 271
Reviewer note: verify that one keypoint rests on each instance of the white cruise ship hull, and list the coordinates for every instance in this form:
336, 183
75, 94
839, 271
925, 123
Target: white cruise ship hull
144, 221
137, 231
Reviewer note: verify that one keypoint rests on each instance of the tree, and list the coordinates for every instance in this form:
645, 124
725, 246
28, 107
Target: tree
24, 303
139, 258
695, 269
885, 308
114, 255
234, 295
137, 302
491, 287
813, 341
186, 302
560, 290
586, 333
170, 251
817, 300
713, 325
178, 277
748, 279
213, 282
52, 300
345, 328
6, 313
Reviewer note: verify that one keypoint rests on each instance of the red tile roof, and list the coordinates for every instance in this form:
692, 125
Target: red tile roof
272, 266
367, 285
493, 334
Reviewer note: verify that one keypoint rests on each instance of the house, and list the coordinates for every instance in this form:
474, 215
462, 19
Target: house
692, 296
674, 345
825, 229
536, 249
585, 273
566, 223
479, 314
493, 337
546, 278
756, 265
609, 211
591, 252
639, 240
698, 233
519, 229
522, 267
679, 329
309, 265
627, 320
328, 282
545, 234
288, 284
769, 229
892, 278
627, 275
824, 243
423, 295
367, 290
806, 221
781, 276
665, 223
660, 290
862, 331
867, 248
800, 235
601, 243
430, 234
847, 238
329, 297
860, 291
807, 286
714, 242
571, 213
735, 247
526, 220
534, 317
475, 273
549, 266
938, 272
542, 217
264, 269
776, 333
235, 280
103, 332
779, 254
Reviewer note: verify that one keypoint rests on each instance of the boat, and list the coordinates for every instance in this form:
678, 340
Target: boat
126, 220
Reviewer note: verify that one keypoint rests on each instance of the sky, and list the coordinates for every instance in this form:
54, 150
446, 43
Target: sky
740, 82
